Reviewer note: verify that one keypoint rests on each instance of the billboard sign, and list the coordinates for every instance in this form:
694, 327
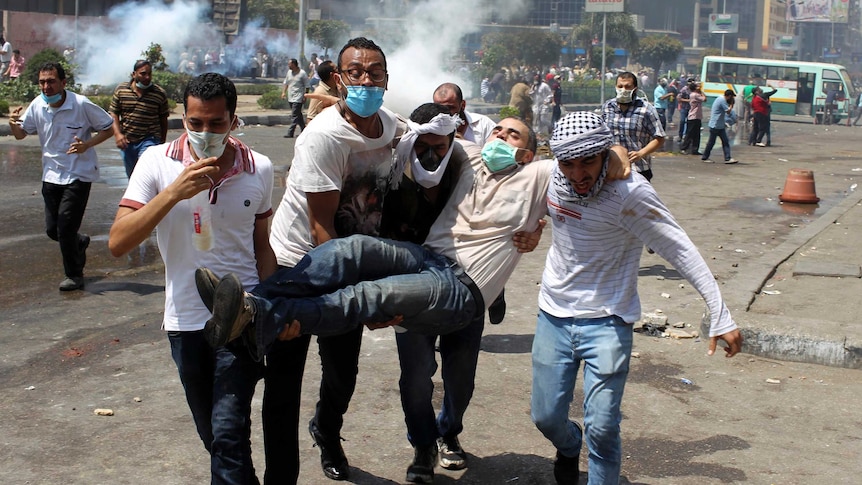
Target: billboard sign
604, 6
724, 23
831, 11
786, 43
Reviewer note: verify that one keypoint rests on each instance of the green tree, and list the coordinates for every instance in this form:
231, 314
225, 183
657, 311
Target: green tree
31, 70
655, 50
516, 48
620, 33
278, 14
154, 54
328, 34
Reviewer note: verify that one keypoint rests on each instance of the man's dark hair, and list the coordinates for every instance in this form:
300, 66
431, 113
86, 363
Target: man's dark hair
211, 85
54, 66
450, 87
293, 60
16, 51
532, 143
426, 112
140, 63
325, 70
361, 43
628, 75
729, 92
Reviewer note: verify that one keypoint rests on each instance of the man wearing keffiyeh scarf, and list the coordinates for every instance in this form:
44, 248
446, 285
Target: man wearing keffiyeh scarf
588, 298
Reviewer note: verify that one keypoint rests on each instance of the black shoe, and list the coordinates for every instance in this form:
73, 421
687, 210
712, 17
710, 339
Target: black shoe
452, 456
72, 283
497, 310
422, 468
332, 458
697, 153
206, 282
289, 135
231, 312
566, 470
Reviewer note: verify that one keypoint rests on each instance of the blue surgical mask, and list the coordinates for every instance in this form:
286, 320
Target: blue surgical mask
499, 156
364, 100
53, 98
142, 85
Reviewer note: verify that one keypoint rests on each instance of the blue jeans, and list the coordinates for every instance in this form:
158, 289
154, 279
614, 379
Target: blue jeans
683, 121
725, 143
133, 152
64, 211
604, 345
219, 385
362, 279
459, 352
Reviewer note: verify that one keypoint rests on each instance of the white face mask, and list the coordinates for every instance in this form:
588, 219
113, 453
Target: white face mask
624, 95
206, 144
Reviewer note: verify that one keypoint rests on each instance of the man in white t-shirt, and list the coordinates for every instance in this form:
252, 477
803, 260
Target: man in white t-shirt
236, 183
588, 299
476, 128
294, 87
5, 57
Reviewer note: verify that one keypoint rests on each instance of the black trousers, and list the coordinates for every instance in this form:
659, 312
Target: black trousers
64, 211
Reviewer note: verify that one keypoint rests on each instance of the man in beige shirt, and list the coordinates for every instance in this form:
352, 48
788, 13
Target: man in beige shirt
326, 87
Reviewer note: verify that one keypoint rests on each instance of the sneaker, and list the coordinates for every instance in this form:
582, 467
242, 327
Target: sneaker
232, 312
706, 160
421, 470
758, 144
71, 284
332, 459
206, 282
731, 161
452, 456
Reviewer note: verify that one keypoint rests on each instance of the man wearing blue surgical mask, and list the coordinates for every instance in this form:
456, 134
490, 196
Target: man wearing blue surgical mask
140, 111
335, 188
65, 122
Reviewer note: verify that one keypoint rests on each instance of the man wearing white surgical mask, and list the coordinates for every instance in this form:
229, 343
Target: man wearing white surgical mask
140, 111
218, 383
634, 123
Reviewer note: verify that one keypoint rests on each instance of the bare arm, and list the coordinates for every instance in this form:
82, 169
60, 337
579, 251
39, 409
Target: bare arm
119, 137
652, 146
321, 215
131, 227
263, 253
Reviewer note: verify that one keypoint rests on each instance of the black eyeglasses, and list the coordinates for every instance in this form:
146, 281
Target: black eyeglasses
356, 74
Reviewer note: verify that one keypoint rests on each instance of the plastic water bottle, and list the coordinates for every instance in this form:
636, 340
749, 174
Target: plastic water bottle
202, 237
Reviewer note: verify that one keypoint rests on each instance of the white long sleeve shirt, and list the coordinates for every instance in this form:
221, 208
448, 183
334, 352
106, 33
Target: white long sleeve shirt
592, 266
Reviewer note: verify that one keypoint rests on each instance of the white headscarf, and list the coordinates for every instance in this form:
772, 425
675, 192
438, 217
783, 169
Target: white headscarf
442, 124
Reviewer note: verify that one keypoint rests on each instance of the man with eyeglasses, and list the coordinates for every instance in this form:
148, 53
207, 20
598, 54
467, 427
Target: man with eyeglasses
335, 189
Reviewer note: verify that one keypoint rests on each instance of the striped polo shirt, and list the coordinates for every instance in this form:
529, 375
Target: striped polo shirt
139, 116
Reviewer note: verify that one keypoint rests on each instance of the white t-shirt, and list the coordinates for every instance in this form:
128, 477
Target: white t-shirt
241, 200
593, 262
477, 231
330, 154
296, 85
57, 129
479, 128
7, 47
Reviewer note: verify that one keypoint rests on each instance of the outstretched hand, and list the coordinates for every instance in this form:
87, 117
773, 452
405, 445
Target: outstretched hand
290, 331
527, 241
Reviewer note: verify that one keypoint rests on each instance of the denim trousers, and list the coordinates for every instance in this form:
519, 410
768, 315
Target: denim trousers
133, 152
459, 353
219, 385
725, 143
64, 211
604, 346
351, 281
683, 121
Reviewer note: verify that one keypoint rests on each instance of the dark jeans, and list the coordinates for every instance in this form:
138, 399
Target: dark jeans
459, 352
64, 211
557, 112
725, 143
339, 361
662, 118
761, 121
296, 118
692, 136
671, 109
683, 122
133, 152
219, 385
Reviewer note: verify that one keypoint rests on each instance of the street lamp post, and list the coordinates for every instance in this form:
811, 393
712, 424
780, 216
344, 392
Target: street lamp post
723, 10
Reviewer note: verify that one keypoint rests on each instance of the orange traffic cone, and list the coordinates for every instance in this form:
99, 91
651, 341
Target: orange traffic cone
799, 187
